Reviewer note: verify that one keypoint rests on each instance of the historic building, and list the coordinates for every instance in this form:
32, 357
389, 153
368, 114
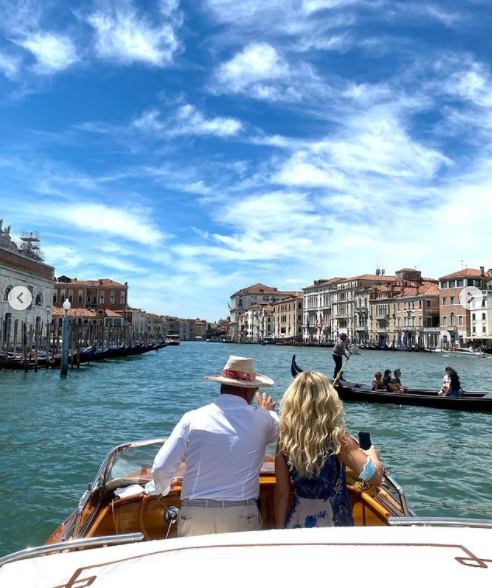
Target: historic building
344, 298
317, 310
455, 319
22, 264
95, 294
288, 318
244, 299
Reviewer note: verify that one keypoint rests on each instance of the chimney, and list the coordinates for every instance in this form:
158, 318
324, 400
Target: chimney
482, 271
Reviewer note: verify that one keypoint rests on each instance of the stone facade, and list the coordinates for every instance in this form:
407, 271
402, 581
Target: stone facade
21, 265
244, 299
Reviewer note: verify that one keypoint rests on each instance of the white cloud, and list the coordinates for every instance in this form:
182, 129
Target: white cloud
130, 223
125, 37
187, 120
9, 65
258, 62
53, 52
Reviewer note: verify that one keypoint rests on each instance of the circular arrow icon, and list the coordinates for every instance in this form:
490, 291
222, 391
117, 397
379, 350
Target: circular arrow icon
471, 298
20, 298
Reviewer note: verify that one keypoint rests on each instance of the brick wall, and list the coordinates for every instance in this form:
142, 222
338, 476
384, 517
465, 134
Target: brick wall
24, 264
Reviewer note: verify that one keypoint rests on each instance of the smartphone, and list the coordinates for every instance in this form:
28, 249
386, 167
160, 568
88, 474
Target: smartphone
364, 439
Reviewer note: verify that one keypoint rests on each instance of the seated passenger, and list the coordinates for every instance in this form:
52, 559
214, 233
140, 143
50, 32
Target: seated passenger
445, 389
376, 383
454, 386
396, 380
388, 382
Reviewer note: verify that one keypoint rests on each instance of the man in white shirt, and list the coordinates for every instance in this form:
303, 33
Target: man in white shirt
223, 445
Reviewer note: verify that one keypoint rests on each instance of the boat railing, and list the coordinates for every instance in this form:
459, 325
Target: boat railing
393, 484
439, 522
73, 544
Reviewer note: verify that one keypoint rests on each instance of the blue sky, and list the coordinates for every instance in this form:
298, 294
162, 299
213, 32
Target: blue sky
193, 148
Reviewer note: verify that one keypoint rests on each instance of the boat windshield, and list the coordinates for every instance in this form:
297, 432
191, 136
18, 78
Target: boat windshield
131, 463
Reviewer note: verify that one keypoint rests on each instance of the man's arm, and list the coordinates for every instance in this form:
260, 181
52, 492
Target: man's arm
167, 461
266, 402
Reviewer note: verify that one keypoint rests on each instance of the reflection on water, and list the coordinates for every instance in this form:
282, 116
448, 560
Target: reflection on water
55, 433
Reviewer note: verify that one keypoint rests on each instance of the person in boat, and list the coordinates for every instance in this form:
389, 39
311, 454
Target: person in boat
223, 445
377, 384
339, 351
386, 381
446, 381
397, 380
313, 451
453, 387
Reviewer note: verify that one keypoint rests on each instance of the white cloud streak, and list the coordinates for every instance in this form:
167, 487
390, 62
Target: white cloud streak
125, 37
53, 52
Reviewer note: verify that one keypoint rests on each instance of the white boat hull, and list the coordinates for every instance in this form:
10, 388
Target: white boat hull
408, 556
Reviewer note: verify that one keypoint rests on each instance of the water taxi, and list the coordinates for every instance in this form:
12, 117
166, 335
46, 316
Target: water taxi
119, 536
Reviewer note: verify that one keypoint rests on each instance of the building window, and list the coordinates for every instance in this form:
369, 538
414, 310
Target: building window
452, 283
444, 285
111, 298
39, 300
54, 298
428, 303
7, 292
451, 300
460, 320
444, 302
444, 321
483, 316
473, 316
101, 298
484, 329
459, 283
451, 320
122, 298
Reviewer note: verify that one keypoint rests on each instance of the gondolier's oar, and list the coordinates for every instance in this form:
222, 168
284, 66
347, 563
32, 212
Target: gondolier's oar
339, 375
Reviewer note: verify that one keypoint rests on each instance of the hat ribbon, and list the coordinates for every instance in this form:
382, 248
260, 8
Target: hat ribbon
236, 375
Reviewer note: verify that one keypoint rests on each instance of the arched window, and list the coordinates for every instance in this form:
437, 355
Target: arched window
39, 300
7, 292
452, 319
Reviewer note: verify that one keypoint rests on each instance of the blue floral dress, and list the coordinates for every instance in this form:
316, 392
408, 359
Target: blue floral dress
321, 501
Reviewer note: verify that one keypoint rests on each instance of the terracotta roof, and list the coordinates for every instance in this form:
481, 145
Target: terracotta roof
256, 289
74, 312
92, 283
424, 290
407, 269
113, 313
370, 277
468, 271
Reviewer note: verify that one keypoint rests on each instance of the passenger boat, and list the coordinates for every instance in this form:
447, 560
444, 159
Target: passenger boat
352, 392
460, 351
172, 339
120, 536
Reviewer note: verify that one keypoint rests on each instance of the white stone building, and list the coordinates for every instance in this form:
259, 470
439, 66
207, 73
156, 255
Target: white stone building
21, 264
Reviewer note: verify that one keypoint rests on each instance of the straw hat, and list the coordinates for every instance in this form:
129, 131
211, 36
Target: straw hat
240, 372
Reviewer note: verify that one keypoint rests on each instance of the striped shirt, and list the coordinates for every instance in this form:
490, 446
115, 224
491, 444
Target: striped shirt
340, 347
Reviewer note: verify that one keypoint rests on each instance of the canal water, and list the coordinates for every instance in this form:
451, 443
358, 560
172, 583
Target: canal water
54, 433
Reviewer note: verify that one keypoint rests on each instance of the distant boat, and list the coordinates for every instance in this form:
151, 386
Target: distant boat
454, 351
172, 339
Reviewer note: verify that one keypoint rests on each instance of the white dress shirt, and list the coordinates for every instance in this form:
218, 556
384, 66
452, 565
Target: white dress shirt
223, 445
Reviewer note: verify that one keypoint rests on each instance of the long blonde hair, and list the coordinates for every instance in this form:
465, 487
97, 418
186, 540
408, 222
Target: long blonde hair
312, 423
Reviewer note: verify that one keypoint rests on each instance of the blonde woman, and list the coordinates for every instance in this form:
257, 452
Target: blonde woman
313, 450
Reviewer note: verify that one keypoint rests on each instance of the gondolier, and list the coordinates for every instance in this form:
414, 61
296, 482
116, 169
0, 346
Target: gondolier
339, 351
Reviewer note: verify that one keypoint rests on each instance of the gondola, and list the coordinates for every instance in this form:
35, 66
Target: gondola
353, 392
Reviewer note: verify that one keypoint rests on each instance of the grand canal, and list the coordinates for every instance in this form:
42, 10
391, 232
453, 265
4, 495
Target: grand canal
54, 433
